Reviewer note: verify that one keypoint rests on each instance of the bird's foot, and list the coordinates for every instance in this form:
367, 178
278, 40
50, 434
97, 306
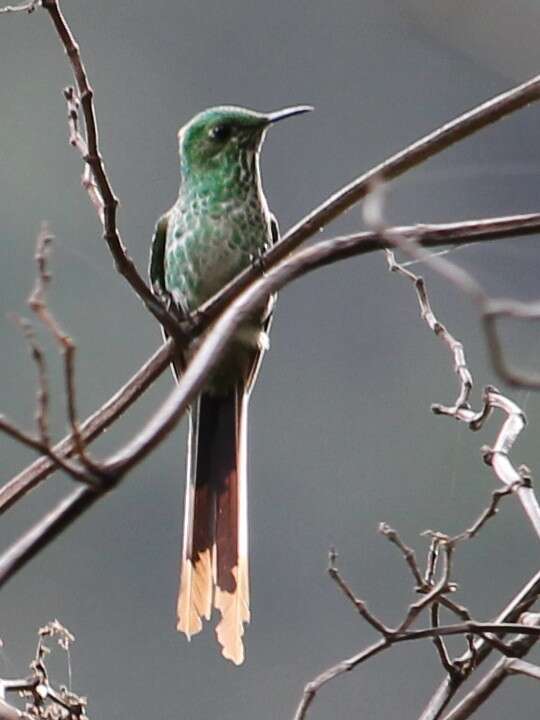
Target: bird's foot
258, 261
196, 319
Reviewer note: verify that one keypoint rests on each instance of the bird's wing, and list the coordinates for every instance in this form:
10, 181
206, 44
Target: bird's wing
156, 267
156, 273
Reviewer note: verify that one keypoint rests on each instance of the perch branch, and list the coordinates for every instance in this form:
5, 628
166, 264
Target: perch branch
322, 254
202, 362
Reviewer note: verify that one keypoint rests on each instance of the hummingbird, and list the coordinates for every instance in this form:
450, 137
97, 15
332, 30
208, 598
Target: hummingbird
219, 225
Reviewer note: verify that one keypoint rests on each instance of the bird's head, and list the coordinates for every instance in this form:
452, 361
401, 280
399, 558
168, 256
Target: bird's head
222, 135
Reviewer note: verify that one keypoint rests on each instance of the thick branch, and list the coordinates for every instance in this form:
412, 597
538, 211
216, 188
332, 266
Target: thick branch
320, 255
493, 679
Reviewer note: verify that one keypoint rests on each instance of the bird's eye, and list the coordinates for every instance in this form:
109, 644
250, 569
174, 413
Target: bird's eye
220, 133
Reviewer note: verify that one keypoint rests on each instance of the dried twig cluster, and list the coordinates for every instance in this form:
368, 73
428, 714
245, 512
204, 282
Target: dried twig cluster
40, 698
94, 478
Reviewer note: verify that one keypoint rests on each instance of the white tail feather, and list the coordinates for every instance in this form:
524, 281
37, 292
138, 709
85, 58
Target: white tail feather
234, 608
196, 583
195, 597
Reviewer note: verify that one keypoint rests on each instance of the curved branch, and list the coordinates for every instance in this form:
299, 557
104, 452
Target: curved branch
321, 254
208, 354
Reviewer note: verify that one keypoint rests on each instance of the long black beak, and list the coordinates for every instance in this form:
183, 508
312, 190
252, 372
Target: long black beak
278, 115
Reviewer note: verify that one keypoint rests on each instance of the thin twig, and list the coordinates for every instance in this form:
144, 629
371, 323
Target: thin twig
98, 185
38, 304
359, 604
522, 667
440, 647
408, 553
457, 671
438, 590
77, 140
422, 586
489, 512
91, 428
34, 443
42, 394
497, 456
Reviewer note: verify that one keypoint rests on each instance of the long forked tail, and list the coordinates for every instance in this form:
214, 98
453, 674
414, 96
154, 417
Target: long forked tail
215, 553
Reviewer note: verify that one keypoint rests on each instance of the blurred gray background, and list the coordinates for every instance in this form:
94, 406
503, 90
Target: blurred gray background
341, 432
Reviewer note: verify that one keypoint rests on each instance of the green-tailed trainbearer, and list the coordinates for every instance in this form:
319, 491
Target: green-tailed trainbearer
219, 225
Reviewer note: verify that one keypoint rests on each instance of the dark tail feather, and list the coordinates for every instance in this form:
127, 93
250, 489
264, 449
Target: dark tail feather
215, 524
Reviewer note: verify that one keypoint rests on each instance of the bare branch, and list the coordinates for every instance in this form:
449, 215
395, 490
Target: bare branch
10, 429
42, 443
456, 671
440, 647
522, 667
42, 393
431, 144
105, 203
480, 650
313, 687
408, 553
489, 512
461, 406
493, 679
359, 604
208, 354
497, 456
67, 347
436, 592
96, 181
422, 585
91, 428
491, 309
432, 559
77, 140
322, 254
